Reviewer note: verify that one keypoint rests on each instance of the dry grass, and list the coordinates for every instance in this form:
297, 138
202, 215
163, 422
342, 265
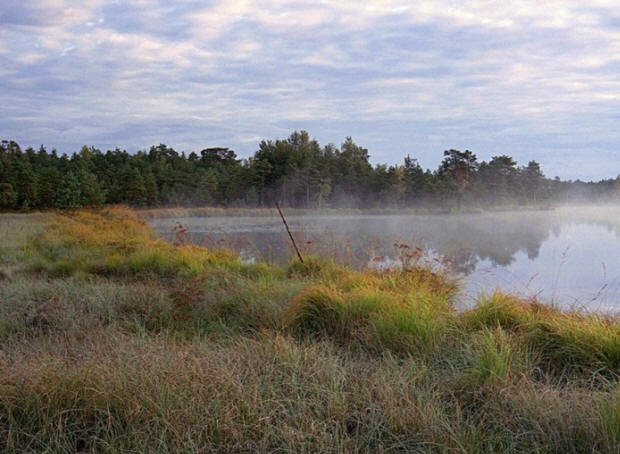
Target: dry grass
115, 341
117, 393
15, 229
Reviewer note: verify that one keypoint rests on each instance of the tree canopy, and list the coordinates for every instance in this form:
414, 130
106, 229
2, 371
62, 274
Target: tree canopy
295, 171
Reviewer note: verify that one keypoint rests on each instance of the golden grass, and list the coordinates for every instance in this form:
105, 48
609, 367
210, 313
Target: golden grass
117, 341
115, 241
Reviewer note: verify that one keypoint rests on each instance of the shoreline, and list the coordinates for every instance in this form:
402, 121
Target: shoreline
168, 212
116, 340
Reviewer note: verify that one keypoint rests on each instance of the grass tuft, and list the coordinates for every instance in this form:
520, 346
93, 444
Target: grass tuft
495, 357
318, 309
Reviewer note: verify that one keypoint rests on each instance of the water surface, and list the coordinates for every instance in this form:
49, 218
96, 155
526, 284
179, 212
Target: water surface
567, 256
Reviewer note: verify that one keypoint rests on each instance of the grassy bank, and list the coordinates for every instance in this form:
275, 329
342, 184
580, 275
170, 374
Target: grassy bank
114, 340
176, 212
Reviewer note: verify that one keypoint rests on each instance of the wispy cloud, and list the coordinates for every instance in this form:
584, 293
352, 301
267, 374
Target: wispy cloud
536, 80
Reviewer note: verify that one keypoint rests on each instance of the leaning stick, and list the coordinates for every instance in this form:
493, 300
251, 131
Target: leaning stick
301, 259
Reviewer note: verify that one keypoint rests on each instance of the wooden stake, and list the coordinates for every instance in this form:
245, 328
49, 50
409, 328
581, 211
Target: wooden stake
301, 259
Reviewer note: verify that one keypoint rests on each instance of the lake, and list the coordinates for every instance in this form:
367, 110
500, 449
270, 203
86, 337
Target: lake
567, 256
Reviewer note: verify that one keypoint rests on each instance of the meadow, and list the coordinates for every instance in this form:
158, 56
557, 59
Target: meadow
114, 340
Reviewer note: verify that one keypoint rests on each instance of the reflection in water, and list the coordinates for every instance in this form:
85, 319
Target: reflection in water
569, 255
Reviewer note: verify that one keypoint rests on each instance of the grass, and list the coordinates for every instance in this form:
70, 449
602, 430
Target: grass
115, 341
175, 212
564, 339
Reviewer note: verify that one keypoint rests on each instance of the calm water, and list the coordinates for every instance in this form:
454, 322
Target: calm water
568, 256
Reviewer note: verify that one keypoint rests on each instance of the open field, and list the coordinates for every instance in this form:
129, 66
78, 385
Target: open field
116, 341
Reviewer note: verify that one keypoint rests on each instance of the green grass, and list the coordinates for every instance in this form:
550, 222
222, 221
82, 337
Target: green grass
112, 340
565, 340
496, 357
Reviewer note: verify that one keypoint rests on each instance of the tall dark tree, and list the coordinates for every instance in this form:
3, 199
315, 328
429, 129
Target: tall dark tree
92, 194
133, 189
415, 181
534, 182
69, 195
8, 196
456, 172
500, 178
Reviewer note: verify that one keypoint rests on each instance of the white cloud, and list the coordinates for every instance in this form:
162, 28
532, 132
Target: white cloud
48, 13
524, 71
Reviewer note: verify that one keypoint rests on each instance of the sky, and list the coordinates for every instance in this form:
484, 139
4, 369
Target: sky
532, 79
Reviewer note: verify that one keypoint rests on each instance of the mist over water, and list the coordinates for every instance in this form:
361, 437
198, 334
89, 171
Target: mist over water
569, 256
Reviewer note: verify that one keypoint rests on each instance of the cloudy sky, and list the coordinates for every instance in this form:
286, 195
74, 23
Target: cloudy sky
533, 79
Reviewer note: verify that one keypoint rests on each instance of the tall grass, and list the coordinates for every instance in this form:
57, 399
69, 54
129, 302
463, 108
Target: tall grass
115, 242
115, 341
565, 340
113, 393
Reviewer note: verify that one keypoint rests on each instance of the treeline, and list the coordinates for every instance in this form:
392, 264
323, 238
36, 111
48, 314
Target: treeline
296, 171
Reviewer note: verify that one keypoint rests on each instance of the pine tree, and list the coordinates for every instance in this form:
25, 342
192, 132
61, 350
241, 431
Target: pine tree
91, 192
325, 189
134, 191
26, 186
47, 186
69, 195
206, 191
8, 196
150, 185
534, 182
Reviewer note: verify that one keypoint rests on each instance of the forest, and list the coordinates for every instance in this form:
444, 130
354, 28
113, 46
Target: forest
296, 172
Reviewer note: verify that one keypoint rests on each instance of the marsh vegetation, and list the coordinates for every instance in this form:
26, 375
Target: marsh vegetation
568, 256
114, 340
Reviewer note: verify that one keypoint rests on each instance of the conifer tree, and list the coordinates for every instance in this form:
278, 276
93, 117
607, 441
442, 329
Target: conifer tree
8, 196
69, 195
134, 191
206, 190
26, 182
150, 186
91, 192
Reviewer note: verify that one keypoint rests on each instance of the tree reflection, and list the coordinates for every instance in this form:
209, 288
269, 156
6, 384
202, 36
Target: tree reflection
464, 240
